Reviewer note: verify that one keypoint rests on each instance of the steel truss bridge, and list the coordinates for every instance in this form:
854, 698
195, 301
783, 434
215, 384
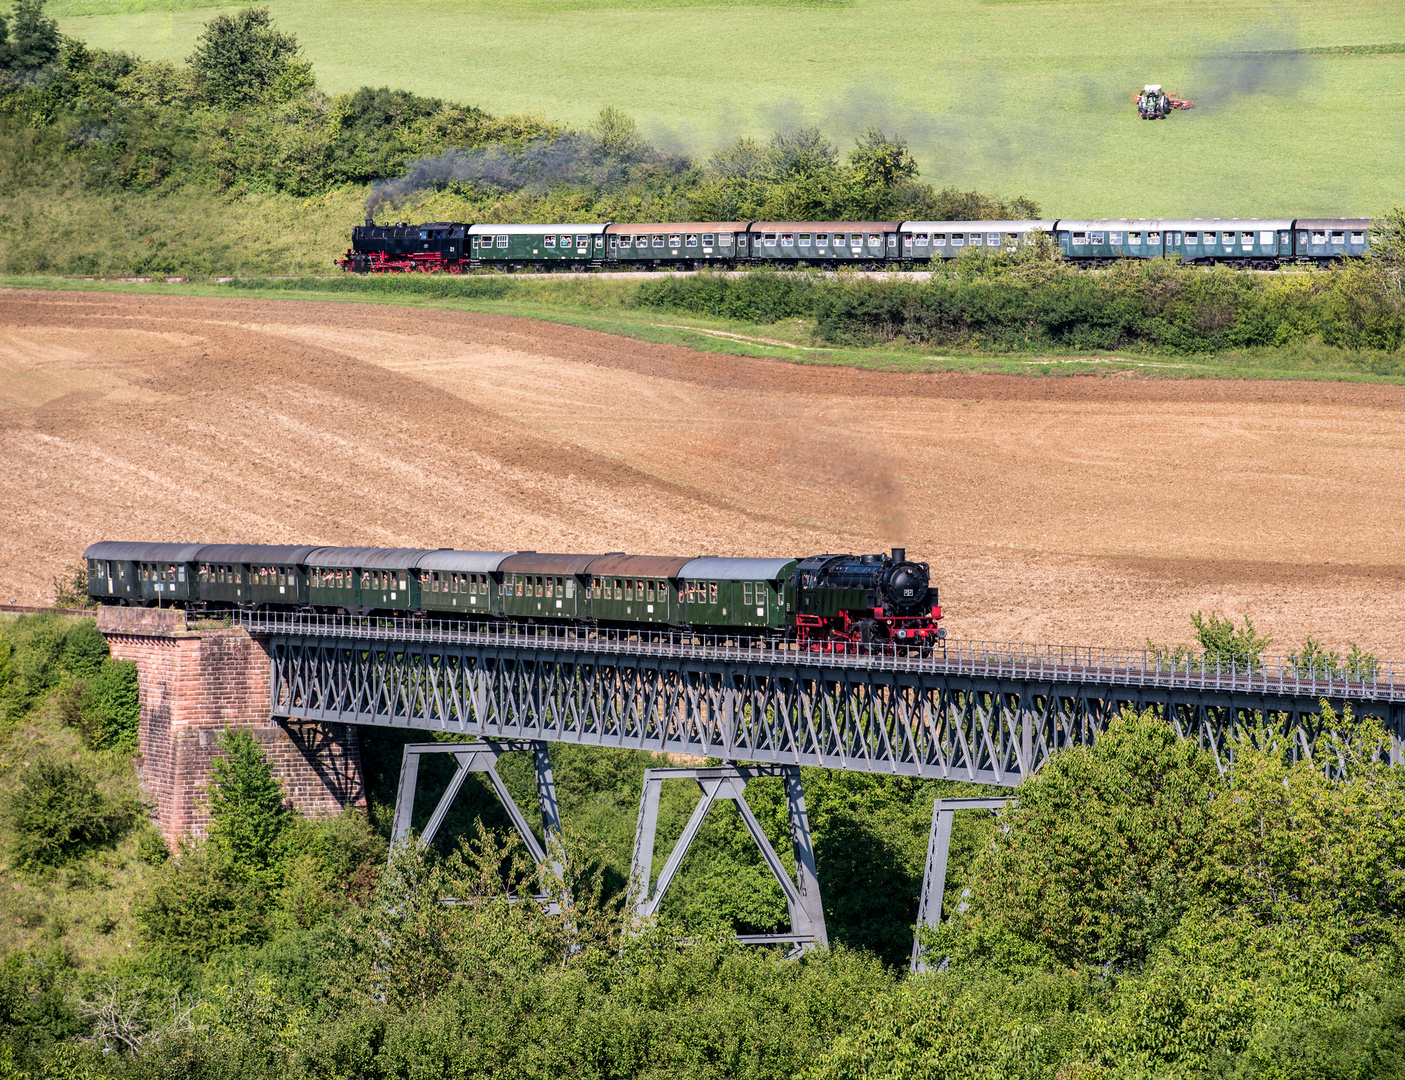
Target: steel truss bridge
981, 712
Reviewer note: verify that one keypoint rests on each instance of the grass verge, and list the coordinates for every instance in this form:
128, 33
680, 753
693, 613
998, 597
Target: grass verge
603, 305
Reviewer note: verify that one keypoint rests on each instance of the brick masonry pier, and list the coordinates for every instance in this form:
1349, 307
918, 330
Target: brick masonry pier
196, 684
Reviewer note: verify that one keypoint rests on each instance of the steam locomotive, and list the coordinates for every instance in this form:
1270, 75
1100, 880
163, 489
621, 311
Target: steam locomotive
823, 601
454, 247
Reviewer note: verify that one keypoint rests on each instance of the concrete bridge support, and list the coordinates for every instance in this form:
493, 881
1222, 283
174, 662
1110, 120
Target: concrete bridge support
196, 684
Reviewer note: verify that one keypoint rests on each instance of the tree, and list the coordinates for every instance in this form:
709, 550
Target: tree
1099, 859
31, 41
1388, 237
878, 161
618, 133
241, 59
249, 819
1225, 643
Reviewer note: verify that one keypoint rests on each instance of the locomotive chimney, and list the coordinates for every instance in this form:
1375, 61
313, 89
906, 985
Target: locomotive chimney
899, 555
369, 219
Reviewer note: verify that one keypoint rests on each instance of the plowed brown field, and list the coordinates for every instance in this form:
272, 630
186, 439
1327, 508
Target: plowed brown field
1079, 509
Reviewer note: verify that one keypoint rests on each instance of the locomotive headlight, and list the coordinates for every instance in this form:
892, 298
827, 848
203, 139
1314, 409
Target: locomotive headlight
941, 633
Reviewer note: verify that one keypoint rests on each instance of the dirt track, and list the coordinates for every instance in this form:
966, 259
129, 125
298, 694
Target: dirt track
1079, 509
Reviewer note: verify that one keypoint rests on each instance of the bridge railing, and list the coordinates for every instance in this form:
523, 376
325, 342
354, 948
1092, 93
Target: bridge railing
1358, 678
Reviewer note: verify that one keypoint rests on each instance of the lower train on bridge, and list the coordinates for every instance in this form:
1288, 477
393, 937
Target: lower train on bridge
454, 247
821, 600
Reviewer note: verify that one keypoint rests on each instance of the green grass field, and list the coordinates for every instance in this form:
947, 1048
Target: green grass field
1006, 96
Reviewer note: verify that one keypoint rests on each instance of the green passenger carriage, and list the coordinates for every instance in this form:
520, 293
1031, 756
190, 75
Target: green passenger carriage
461, 582
545, 586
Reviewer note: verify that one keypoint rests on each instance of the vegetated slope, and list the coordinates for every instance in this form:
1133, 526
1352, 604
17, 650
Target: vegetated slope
1025, 98
1074, 510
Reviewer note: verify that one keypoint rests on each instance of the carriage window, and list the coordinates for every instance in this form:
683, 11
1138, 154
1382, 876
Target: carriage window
1247, 237
663, 590
688, 593
976, 239
1097, 238
619, 589
1319, 238
629, 590
502, 241
957, 240
649, 591
691, 241
675, 240
1153, 238
712, 593
1080, 238
922, 240
1192, 238
539, 586
746, 593
770, 239
1358, 237
822, 240
658, 241
939, 239
1337, 237
1265, 237
992, 239
549, 241
787, 240
804, 239
1133, 238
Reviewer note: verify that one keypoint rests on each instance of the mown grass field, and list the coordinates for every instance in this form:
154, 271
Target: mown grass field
1003, 95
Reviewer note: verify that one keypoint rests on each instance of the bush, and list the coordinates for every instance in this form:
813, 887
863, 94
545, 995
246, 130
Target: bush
84, 649
57, 814
762, 296
151, 847
200, 904
110, 714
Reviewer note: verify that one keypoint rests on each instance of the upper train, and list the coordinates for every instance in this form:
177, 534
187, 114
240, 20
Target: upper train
453, 247
821, 600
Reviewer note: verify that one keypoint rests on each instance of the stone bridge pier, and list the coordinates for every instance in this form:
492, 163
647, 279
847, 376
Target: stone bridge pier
197, 684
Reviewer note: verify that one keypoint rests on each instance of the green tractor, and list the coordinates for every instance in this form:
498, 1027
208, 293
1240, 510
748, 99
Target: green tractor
1153, 103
